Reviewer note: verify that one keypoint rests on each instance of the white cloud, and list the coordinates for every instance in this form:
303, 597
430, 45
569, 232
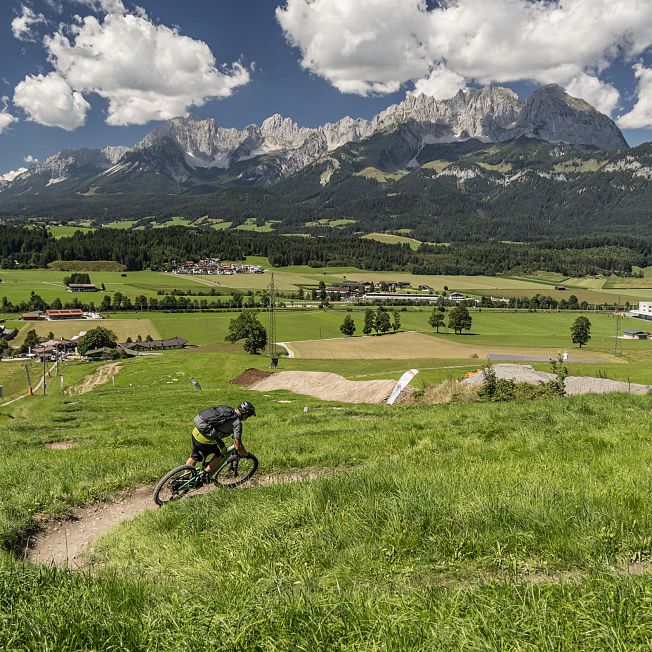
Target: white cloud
105, 6
145, 71
30, 159
377, 45
640, 117
441, 83
604, 97
21, 26
50, 101
6, 119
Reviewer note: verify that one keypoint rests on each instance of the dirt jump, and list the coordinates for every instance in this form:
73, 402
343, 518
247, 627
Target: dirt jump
101, 376
64, 542
327, 386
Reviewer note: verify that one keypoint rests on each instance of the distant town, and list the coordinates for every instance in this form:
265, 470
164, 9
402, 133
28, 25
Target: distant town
214, 266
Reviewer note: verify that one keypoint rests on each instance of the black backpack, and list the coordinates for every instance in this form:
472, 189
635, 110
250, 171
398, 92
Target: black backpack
212, 417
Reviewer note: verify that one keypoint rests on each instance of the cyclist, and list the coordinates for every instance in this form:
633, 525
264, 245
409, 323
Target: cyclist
211, 426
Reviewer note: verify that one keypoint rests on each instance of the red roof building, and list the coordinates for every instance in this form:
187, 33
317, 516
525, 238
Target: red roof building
70, 313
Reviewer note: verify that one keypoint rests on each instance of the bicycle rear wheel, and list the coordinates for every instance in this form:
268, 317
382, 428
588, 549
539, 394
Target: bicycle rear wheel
175, 484
236, 471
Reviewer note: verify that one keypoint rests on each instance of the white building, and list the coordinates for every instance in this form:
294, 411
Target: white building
644, 310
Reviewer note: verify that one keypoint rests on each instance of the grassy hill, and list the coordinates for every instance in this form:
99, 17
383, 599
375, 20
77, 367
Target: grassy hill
475, 526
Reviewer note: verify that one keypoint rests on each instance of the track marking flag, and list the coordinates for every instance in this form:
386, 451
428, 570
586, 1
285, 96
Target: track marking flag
402, 383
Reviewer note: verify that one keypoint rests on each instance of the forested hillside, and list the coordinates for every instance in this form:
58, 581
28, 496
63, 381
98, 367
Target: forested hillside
158, 248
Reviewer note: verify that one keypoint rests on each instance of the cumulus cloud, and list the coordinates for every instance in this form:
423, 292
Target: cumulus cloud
441, 83
105, 6
604, 97
640, 117
377, 45
145, 71
49, 100
22, 26
30, 159
6, 119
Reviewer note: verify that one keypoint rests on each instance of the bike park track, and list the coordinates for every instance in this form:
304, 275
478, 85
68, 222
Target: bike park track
62, 542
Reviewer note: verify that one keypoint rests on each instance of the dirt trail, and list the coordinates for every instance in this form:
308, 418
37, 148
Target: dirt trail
63, 542
327, 386
102, 375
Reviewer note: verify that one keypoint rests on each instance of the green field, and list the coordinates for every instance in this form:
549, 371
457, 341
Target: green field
469, 526
390, 238
67, 231
250, 225
119, 224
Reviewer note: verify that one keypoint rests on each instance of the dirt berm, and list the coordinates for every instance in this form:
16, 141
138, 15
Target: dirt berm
327, 386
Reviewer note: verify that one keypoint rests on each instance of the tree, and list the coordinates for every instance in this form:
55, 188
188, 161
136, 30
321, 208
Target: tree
436, 319
581, 331
50, 335
322, 291
4, 345
247, 327
383, 322
459, 319
348, 326
369, 321
149, 338
31, 339
396, 324
96, 338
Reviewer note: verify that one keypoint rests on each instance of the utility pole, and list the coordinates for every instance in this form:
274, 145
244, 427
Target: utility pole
271, 324
29, 380
44, 370
618, 343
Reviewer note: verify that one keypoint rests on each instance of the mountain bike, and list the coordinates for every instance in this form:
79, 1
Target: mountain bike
185, 479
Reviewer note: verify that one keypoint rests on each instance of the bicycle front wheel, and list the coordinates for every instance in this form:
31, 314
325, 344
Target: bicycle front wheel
175, 484
236, 471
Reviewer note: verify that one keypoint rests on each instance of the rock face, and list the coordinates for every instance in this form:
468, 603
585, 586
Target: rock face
184, 148
552, 115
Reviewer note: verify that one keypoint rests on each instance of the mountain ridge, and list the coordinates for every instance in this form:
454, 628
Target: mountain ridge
191, 150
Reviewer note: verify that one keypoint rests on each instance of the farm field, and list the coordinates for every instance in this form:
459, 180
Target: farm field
419, 558
17, 285
391, 238
123, 328
411, 345
67, 231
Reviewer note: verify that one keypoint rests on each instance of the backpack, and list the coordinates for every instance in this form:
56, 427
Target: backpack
212, 417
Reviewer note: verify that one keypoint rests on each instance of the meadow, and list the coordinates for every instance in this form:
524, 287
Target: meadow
392, 546
17, 285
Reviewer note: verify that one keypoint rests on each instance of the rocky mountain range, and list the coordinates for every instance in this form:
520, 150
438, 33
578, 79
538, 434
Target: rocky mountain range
189, 155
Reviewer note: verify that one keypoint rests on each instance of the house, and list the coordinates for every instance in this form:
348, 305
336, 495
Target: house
70, 313
83, 287
342, 293
632, 334
398, 296
32, 316
456, 296
426, 288
8, 333
156, 345
103, 353
560, 287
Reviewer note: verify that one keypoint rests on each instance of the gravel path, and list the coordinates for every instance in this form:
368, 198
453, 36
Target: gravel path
524, 373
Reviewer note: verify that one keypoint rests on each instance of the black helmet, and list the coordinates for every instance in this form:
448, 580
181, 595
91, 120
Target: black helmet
246, 409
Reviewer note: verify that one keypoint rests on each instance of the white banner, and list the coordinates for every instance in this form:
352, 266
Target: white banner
402, 383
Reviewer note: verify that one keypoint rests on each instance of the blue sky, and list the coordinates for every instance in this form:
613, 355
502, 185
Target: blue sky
113, 73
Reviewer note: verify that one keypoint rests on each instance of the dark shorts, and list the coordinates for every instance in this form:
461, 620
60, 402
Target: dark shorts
201, 451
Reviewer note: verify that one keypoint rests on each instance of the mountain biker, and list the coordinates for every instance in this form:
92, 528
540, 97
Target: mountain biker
211, 426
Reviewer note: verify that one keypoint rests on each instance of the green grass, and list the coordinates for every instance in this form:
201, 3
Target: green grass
250, 225
119, 224
220, 225
391, 238
472, 526
379, 175
67, 231
174, 221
